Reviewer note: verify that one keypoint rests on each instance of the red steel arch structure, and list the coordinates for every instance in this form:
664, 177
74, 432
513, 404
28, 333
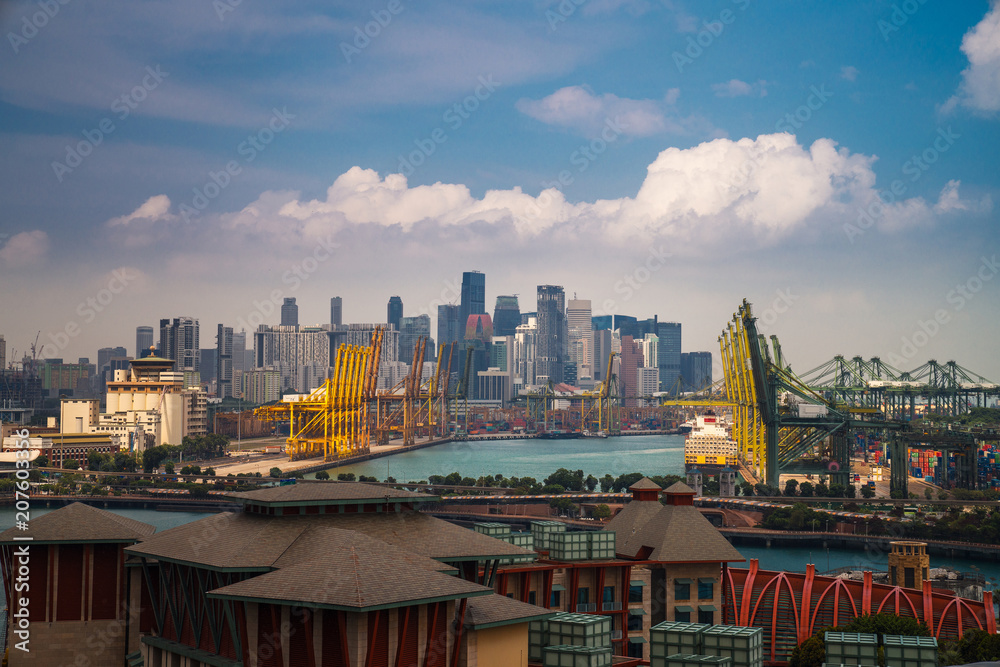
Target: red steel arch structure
791, 606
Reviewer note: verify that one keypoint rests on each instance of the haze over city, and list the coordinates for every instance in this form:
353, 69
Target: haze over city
657, 158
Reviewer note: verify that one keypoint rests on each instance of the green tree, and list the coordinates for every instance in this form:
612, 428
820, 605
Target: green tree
806, 489
95, 459
607, 483
790, 487
42, 462
210, 472
591, 483
71, 464
322, 474
867, 492
124, 462
978, 646
349, 477
810, 653
623, 482
553, 489
564, 505
566, 479
275, 472
822, 490
168, 467
602, 512
887, 624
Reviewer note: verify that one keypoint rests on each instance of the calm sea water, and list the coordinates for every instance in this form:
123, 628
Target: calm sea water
648, 454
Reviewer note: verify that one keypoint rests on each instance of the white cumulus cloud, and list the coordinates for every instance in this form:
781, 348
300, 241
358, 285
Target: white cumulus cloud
579, 109
154, 208
737, 88
24, 248
980, 87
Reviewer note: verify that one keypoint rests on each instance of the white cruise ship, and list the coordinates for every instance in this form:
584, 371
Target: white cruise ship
709, 446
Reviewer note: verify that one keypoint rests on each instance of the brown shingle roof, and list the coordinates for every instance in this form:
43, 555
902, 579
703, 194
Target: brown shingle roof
644, 483
357, 577
679, 487
319, 492
251, 541
632, 517
493, 610
80, 523
429, 536
678, 533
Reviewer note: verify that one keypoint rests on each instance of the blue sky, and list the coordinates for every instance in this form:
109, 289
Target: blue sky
228, 142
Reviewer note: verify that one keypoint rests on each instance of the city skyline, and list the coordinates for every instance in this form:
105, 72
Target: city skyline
655, 158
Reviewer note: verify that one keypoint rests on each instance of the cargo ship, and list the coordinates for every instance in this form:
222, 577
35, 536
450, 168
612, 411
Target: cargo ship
709, 447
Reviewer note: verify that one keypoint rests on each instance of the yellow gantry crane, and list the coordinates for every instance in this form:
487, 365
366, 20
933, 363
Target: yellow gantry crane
333, 420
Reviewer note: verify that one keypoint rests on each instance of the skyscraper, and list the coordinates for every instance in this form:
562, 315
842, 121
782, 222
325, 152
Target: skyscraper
696, 370
551, 333
449, 330
581, 336
179, 341
224, 362
242, 358
106, 354
669, 359
336, 312
506, 316
394, 311
411, 330
631, 362
602, 348
289, 313
143, 341
473, 295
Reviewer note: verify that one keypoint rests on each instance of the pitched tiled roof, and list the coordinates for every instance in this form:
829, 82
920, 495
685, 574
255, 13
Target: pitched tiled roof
632, 517
252, 541
493, 610
644, 483
319, 492
678, 533
80, 523
678, 487
429, 536
357, 577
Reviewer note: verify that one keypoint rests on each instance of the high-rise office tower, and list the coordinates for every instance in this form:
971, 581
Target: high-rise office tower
179, 341
394, 311
696, 370
224, 362
289, 313
506, 316
241, 354
143, 341
411, 330
106, 354
580, 336
602, 350
631, 361
336, 312
473, 295
669, 358
449, 330
3, 354
551, 346
525, 347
